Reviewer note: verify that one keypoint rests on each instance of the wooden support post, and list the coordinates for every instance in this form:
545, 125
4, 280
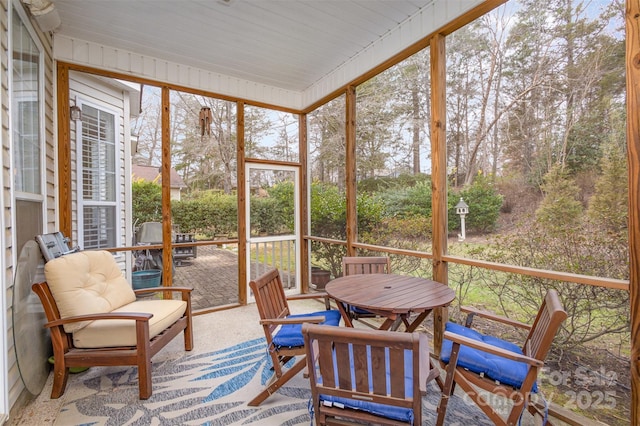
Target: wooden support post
165, 171
242, 208
303, 203
350, 174
64, 152
633, 151
439, 177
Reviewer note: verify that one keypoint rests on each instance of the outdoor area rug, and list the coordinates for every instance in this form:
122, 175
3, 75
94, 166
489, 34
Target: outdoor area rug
210, 388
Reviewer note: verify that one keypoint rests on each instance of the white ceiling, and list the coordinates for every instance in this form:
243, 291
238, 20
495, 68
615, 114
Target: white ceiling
289, 44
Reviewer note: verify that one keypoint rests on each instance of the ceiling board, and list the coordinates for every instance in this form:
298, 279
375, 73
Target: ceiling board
284, 43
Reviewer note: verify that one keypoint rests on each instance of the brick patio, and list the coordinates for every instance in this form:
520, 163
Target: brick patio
213, 274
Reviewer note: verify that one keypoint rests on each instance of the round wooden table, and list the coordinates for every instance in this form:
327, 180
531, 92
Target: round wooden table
390, 295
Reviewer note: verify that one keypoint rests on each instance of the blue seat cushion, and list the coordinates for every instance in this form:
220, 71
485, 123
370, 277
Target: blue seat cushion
389, 411
290, 335
495, 367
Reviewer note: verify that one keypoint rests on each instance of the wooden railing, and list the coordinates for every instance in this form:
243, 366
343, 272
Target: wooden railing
540, 273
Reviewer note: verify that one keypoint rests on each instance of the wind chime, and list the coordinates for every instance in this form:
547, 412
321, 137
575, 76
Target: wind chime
205, 121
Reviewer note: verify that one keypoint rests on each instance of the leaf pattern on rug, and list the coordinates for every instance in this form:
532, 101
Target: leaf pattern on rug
210, 388
206, 388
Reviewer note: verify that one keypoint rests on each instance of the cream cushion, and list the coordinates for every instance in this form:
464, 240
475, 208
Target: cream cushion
87, 282
113, 333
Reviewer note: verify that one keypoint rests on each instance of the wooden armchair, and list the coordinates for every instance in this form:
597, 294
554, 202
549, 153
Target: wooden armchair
282, 330
95, 320
364, 265
369, 376
497, 366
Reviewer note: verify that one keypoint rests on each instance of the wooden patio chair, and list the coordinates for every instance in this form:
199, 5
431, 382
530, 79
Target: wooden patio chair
497, 366
282, 330
366, 265
358, 265
95, 320
368, 376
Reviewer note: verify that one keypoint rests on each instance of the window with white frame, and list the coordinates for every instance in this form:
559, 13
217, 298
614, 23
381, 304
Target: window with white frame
98, 176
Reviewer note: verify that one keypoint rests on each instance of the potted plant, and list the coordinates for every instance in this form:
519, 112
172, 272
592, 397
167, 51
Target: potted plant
319, 277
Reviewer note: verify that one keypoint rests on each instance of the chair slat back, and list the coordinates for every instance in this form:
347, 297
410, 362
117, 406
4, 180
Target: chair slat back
270, 298
545, 327
366, 265
365, 365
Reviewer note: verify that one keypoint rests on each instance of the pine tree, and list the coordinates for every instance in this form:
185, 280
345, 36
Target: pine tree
560, 210
608, 208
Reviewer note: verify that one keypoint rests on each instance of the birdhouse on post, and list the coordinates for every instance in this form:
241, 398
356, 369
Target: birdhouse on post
462, 209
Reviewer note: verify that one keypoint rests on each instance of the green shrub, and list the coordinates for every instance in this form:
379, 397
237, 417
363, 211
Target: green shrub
208, 213
328, 211
484, 205
266, 217
283, 208
381, 184
146, 201
410, 232
328, 220
415, 201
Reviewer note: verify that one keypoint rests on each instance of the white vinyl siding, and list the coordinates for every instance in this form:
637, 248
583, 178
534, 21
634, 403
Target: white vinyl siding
29, 167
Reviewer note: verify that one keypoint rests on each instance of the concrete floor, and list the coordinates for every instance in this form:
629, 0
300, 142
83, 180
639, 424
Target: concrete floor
231, 327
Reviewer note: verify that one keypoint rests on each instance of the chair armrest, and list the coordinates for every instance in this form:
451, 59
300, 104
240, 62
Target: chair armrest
471, 312
481, 346
137, 316
281, 321
182, 290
